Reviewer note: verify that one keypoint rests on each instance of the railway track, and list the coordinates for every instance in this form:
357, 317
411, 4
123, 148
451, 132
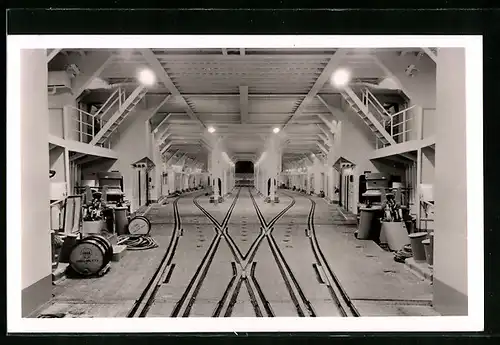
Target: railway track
226, 304
184, 305
302, 305
162, 273
338, 294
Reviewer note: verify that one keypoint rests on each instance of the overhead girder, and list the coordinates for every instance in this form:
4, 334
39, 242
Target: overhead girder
334, 62
158, 69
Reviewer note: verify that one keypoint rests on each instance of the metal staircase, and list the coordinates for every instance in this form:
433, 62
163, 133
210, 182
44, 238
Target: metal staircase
124, 109
371, 112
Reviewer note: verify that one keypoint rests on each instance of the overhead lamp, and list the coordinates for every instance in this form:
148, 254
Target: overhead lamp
146, 77
276, 130
341, 77
211, 129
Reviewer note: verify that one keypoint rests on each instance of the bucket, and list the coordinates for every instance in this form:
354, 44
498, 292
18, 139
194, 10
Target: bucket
121, 221
396, 234
417, 247
382, 238
369, 228
428, 251
93, 227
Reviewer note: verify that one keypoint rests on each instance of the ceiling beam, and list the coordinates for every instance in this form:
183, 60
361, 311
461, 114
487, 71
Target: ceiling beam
319, 83
244, 103
91, 67
326, 141
431, 54
52, 54
165, 148
328, 123
163, 135
162, 140
172, 157
160, 72
327, 133
325, 151
155, 110
155, 130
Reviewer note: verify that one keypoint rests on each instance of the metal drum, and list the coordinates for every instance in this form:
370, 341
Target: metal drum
139, 225
90, 255
107, 244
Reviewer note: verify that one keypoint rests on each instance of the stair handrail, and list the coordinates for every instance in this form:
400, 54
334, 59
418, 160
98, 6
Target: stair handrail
370, 98
101, 111
403, 122
81, 122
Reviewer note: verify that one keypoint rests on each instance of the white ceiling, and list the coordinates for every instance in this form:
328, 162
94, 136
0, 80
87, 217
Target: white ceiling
209, 81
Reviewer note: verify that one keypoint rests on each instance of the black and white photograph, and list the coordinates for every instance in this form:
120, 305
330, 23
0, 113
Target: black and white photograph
244, 183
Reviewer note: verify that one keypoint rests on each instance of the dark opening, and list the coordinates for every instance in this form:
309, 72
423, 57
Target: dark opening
243, 167
220, 187
268, 187
147, 188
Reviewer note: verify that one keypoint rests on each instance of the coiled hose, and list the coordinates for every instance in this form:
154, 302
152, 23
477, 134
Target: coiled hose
137, 242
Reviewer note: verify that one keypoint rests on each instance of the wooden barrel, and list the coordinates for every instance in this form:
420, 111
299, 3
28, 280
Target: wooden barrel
90, 255
139, 225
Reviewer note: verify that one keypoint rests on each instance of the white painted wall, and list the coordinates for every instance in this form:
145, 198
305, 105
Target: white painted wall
131, 145
56, 123
62, 103
428, 122
428, 164
35, 214
450, 175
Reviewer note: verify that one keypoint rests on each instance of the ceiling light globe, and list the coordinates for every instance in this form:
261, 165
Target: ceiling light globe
146, 77
341, 77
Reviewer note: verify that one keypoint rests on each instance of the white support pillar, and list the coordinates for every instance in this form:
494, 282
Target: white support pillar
35, 250
450, 186
185, 178
171, 180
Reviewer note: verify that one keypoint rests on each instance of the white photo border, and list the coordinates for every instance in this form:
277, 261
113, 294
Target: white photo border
475, 271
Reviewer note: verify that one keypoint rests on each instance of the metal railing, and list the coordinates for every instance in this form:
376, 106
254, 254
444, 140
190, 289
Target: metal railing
398, 125
87, 125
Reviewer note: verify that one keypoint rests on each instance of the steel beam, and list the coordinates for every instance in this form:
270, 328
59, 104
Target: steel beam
325, 151
160, 72
156, 129
155, 110
328, 123
431, 54
91, 67
167, 163
52, 54
244, 103
165, 148
319, 83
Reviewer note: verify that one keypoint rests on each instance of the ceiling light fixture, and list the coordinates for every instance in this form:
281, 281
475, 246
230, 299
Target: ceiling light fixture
341, 77
146, 77
276, 130
211, 129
